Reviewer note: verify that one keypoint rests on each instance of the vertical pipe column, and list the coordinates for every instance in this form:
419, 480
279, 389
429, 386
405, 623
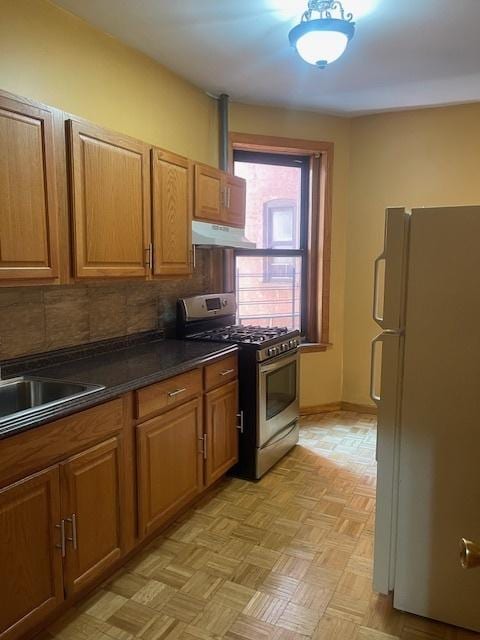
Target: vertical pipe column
223, 103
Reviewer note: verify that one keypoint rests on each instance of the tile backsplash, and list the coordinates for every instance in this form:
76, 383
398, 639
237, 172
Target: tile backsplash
37, 319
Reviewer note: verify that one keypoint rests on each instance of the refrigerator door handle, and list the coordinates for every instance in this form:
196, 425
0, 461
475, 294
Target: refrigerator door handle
388, 333
373, 395
376, 315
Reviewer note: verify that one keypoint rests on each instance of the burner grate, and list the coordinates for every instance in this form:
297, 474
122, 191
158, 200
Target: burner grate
251, 334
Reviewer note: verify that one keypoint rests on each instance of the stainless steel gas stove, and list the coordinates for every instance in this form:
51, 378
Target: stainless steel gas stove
268, 377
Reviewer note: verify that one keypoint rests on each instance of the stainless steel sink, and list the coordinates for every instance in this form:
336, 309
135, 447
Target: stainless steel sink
28, 395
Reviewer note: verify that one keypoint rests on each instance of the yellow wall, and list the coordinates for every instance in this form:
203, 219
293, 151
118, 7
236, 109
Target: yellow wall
413, 158
49, 55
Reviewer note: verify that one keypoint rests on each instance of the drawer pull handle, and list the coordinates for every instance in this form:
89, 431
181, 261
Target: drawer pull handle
240, 426
62, 545
73, 522
204, 451
177, 392
227, 372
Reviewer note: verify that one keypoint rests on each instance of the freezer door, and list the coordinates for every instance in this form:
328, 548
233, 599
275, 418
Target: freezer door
387, 360
439, 479
390, 272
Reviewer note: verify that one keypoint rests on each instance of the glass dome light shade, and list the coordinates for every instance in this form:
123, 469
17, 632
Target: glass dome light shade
320, 42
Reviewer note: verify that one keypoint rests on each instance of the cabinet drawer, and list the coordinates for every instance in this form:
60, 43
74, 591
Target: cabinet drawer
33, 450
168, 393
221, 372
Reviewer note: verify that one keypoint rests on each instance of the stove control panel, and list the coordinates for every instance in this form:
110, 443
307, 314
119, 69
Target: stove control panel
278, 349
208, 306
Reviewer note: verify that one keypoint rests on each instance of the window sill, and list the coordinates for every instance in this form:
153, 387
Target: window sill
314, 347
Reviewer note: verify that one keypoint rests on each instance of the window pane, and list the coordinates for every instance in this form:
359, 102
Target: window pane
273, 204
269, 291
282, 226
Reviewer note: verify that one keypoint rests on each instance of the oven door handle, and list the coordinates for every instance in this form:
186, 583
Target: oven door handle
273, 365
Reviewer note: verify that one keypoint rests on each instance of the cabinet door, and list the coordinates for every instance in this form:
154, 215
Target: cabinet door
221, 431
209, 194
91, 485
28, 199
110, 177
30, 563
236, 195
169, 464
172, 214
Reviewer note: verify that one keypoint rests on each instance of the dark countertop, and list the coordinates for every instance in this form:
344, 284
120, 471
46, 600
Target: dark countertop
119, 372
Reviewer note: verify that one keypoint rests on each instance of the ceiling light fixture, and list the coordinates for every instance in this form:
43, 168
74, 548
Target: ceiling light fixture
323, 39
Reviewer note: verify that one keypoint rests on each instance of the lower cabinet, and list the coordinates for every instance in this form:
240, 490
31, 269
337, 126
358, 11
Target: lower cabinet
60, 530
221, 431
91, 505
31, 581
169, 464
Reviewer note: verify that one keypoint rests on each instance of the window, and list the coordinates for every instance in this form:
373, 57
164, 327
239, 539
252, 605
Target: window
291, 225
280, 229
271, 279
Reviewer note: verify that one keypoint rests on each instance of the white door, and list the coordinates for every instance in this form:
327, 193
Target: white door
439, 479
387, 360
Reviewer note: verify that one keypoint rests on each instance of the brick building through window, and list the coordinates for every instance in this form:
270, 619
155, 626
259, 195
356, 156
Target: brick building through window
269, 287
285, 281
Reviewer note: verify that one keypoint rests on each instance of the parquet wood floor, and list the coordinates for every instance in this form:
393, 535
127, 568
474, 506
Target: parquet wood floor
288, 558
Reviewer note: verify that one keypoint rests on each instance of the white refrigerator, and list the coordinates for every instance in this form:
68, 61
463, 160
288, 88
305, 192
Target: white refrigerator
425, 379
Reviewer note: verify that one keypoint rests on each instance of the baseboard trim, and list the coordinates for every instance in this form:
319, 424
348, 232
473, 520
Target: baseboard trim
359, 408
338, 406
321, 408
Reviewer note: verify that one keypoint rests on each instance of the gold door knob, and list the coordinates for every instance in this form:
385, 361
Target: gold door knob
469, 554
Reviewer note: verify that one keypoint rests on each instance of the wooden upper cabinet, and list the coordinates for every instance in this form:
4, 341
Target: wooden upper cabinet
172, 186
221, 408
110, 189
235, 201
209, 194
219, 197
31, 583
28, 196
91, 485
169, 464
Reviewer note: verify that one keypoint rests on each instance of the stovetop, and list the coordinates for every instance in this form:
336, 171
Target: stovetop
211, 317
245, 334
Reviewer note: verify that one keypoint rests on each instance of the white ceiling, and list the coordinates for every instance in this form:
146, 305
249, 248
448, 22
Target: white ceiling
405, 53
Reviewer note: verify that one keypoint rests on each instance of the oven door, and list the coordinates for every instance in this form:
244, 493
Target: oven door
278, 404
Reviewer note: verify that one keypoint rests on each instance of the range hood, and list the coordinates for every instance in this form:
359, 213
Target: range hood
205, 234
